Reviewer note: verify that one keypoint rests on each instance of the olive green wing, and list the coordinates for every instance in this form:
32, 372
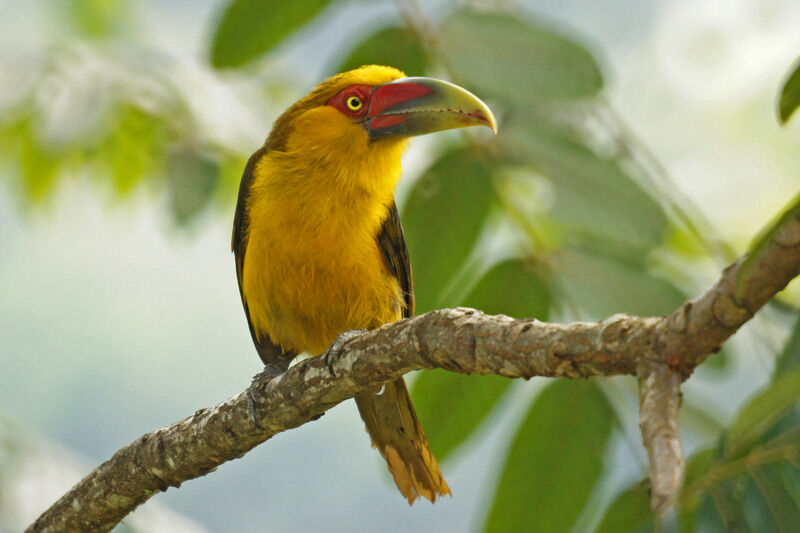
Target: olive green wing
392, 244
267, 350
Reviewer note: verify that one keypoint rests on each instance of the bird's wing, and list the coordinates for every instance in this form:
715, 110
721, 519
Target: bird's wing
392, 244
267, 350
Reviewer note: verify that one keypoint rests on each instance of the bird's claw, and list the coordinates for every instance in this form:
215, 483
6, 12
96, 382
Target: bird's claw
333, 352
277, 367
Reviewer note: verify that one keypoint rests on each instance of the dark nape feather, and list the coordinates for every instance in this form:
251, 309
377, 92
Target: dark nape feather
392, 244
267, 350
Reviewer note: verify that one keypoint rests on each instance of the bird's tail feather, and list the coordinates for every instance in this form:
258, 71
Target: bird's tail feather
396, 432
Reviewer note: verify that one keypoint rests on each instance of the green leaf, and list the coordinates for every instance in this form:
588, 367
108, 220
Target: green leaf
696, 468
789, 358
712, 515
396, 47
250, 28
790, 95
761, 413
772, 501
699, 511
443, 217
602, 286
555, 460
230, 177
630, 511
594, 195
134, 146
449, 423
511, 288
756, 492
39, 166
192, 180
518, 61
97, 18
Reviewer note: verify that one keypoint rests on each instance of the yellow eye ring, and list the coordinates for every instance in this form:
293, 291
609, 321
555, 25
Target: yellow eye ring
354, 103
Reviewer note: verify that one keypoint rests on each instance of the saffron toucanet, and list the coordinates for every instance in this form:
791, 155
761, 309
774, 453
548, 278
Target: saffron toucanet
318, 242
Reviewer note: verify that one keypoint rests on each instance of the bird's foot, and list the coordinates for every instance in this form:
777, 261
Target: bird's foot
335, 349
271, 370
277, 367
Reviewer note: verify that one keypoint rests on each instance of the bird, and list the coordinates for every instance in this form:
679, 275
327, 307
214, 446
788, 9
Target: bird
317, 239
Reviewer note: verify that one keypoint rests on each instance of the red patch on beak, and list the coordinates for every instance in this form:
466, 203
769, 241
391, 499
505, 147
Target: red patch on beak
391, 94
385, 121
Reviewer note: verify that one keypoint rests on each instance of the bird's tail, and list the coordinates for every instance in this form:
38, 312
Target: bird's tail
396, 432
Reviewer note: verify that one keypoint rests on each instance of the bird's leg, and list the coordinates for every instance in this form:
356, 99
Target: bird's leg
278, 366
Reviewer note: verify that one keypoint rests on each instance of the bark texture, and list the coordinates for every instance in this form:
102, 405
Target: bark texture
662, 352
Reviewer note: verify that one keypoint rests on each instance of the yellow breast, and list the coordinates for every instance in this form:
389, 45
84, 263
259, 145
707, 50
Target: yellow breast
313, 268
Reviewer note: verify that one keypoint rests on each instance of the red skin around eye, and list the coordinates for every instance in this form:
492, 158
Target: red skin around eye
340, 100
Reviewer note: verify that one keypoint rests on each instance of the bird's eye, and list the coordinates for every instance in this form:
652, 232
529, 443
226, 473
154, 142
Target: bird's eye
354, 103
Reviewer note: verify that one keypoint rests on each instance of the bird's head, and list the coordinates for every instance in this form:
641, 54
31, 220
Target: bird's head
374, 108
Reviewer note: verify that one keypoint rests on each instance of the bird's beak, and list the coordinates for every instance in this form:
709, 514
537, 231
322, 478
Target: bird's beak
416, 106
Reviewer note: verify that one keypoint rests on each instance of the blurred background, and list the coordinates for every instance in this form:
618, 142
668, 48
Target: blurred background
639, 152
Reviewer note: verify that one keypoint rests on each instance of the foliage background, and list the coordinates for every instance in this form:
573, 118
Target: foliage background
638, 151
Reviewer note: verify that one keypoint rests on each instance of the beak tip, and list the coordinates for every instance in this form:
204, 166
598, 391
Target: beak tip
491, 122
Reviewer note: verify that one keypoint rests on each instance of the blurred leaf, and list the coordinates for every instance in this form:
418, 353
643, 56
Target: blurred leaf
682, 241
506, 57
744, 495
786, 424
452, 406
761, 241
697, 466
789, 359
753, 482
192, 178
39, 166
717, 514
555, 460
790, 95
699, 511
511, 288
630, 511
230, 176
594, 195
602, 286
250, 28
772, 501
397, 47
133, 148
96, 18
761, 413
443, 217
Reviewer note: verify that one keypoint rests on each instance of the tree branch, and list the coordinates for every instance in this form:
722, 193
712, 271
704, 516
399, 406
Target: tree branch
661, 351
659, 401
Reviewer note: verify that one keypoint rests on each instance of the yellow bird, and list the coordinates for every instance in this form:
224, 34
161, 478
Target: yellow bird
317, 238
